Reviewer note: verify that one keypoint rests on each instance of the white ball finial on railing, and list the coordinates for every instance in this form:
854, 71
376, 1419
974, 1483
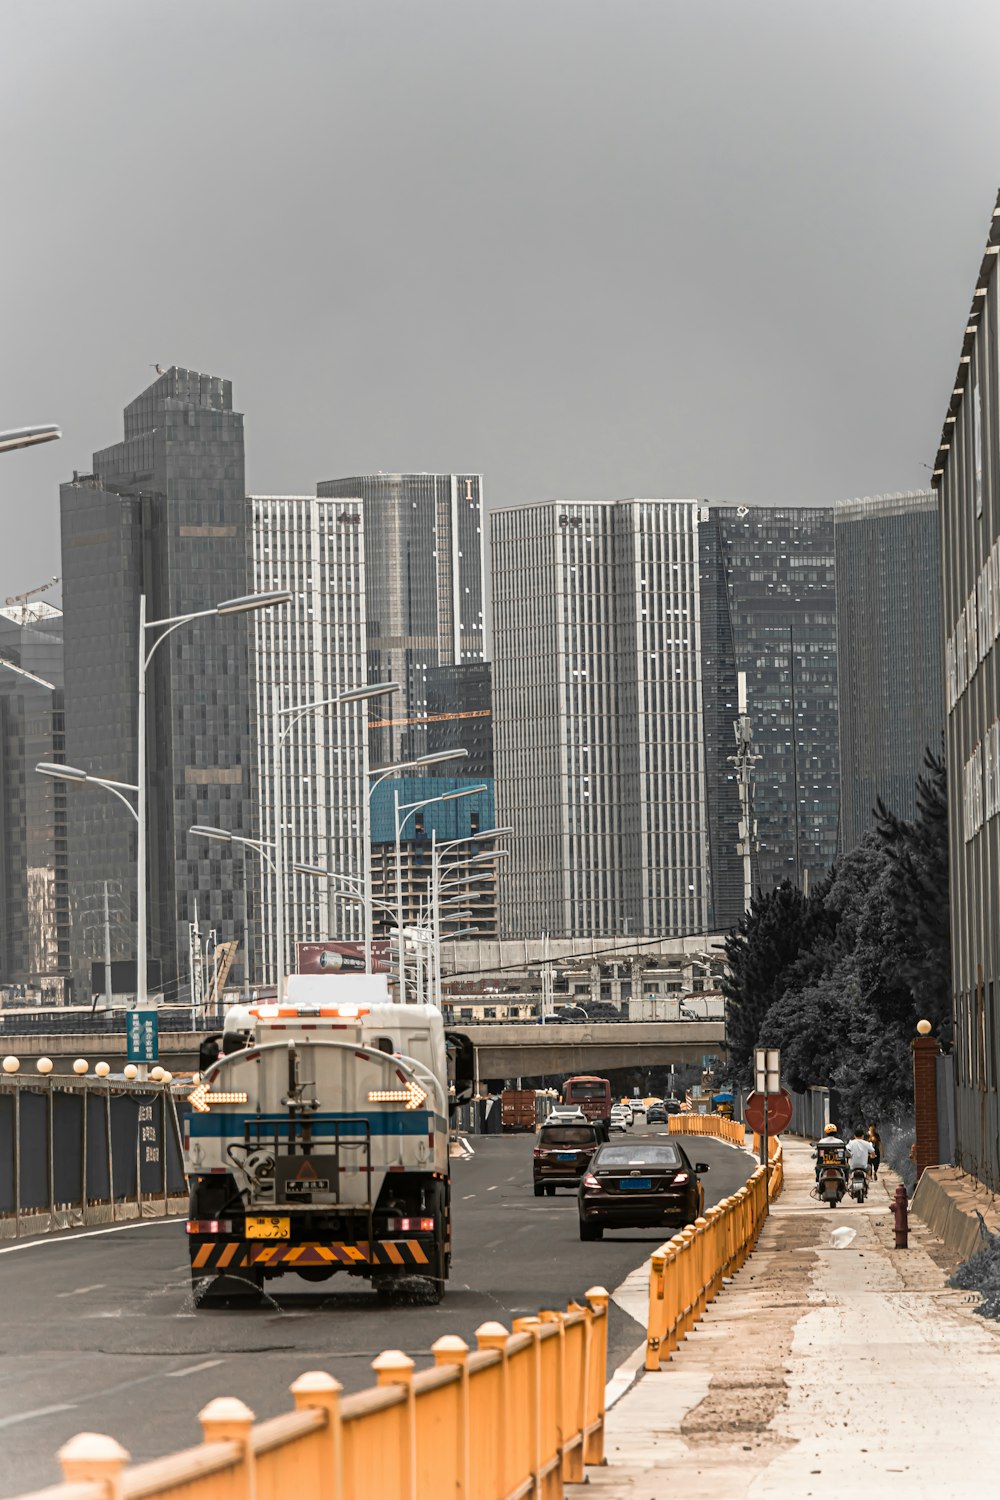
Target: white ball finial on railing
80, 1066
11, 1064
130, 1071
44, 1065
102, 1069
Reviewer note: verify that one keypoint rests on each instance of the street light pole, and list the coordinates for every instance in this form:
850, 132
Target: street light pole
410, 809
245, 604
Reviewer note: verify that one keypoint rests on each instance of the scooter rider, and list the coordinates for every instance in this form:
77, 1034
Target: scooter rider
831, 1142
860, 1152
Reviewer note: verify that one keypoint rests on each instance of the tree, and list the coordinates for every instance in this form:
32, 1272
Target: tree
918, 857
770, 937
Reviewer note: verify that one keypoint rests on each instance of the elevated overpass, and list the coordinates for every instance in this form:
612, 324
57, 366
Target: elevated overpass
503, 1049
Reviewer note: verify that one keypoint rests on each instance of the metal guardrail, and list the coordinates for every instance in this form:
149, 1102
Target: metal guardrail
687, 1273
86, 1023
520, 1416
82, 1151
717, 1125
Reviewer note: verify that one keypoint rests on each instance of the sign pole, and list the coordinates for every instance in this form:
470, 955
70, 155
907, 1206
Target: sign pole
763, 1144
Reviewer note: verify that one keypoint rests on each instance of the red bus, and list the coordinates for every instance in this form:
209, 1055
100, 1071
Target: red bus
592, 1095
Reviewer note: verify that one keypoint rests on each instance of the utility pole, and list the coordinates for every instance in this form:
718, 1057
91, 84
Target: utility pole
194, 965
744, 760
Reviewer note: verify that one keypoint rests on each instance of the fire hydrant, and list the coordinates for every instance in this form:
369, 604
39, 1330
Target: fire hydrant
901, 1217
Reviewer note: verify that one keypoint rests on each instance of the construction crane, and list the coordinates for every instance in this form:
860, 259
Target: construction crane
22, 599
223, 958
472, 713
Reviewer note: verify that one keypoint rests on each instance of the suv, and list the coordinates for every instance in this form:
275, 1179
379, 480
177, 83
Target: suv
562, 1154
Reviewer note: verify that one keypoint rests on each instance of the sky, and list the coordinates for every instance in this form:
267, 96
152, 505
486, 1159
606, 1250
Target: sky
591, 248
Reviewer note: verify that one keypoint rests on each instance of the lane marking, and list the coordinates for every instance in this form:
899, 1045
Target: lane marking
40, 1411
492, 1189
81, 1291
89, 1234
206, 1364
467, 1196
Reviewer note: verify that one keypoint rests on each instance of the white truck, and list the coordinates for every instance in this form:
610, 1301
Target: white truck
318, 1142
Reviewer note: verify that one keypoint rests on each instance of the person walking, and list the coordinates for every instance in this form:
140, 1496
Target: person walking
876, 1142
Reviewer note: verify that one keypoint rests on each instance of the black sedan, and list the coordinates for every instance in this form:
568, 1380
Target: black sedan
645, 1184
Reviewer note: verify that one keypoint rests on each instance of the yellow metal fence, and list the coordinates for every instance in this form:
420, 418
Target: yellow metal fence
519, 1416
717, 1125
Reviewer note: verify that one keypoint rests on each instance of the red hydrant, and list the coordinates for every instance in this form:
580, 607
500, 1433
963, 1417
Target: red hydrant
901, 1217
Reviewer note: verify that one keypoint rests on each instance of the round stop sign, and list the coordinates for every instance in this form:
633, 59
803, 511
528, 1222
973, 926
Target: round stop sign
779, 1112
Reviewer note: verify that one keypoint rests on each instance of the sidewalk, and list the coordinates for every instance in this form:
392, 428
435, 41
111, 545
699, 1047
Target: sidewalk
819, 1372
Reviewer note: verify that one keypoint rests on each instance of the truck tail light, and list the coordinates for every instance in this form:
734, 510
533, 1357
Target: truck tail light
209, 1226
590, 1180
410, 1226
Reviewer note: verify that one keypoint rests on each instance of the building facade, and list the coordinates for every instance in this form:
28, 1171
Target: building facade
778, 570
967, 479
163, 513
424, 566
890, 652
460, 717
309, 651
468, 870
34, 897
599, 718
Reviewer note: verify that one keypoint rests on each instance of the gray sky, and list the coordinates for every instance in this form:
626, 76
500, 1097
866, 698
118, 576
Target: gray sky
591, 247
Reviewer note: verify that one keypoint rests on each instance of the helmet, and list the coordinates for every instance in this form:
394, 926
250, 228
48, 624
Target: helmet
830, 1130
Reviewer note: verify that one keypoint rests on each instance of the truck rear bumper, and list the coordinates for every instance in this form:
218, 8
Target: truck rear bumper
416, 1253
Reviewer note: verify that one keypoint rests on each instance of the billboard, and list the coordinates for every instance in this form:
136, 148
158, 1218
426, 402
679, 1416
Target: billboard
123, 974
340, 958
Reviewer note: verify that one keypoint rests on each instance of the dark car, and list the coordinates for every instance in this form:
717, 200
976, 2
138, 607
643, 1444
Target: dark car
644, 1183
562, 1154
657, 1114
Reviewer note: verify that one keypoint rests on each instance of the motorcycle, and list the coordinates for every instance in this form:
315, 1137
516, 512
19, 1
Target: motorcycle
859, 1184
832, 1181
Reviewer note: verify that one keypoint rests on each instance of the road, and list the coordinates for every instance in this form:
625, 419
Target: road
100, 1332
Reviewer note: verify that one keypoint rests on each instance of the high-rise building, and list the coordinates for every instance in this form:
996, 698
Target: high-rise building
164, 513
890, 652
424, 566
34, 900
309, 651
967, 478
460, 717
467, 873
778, 567
600, 732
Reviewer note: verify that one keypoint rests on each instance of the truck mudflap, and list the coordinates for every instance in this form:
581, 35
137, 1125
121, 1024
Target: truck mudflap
213, 1256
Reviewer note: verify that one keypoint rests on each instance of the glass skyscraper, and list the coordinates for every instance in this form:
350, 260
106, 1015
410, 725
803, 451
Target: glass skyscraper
890, 652
163, 512
778, 568
424, 566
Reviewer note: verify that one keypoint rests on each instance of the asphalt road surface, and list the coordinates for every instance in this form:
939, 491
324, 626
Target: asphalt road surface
100, 1333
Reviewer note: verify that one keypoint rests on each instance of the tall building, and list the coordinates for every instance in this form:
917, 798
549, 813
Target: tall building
778, 568
460, 717
469, 882
967, 478
890, 652
600, 734
309, 651
164, 513
424, 566
34, 900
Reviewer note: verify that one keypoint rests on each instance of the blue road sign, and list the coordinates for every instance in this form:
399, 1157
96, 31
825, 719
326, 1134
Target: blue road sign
143, 1033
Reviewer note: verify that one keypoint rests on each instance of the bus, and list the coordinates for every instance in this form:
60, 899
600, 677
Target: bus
592, 1095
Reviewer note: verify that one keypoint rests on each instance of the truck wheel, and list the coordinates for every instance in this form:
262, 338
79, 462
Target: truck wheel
539, 1189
